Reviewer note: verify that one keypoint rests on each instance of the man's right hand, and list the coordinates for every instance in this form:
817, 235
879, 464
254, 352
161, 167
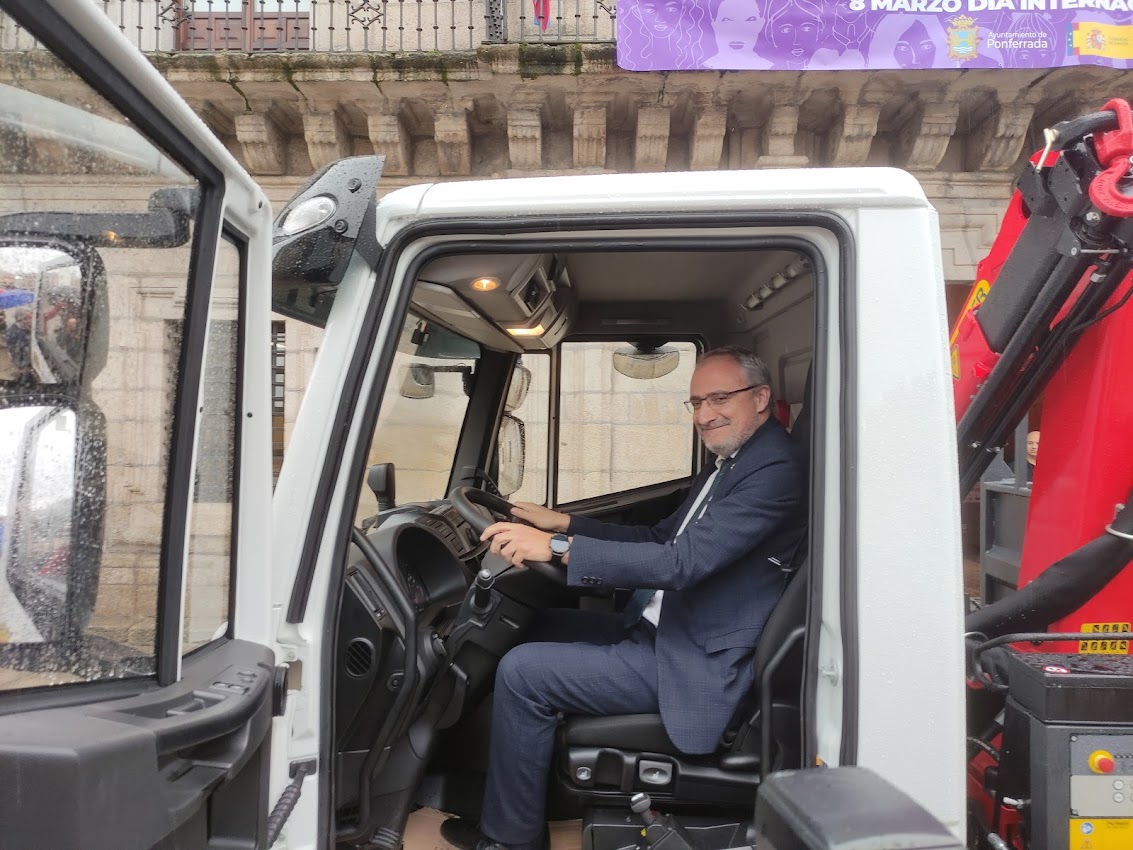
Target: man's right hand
541, 517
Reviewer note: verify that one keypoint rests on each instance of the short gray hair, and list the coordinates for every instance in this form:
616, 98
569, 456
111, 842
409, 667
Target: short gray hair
755, 370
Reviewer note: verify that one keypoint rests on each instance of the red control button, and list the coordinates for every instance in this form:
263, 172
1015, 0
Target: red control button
1101, 762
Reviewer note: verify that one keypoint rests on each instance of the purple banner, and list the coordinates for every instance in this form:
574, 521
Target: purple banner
795, 35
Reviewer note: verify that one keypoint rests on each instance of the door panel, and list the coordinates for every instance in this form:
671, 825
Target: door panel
123, 399
127, 773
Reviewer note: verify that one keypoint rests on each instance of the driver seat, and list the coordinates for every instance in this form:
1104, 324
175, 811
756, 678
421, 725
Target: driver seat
605, 760
608, 759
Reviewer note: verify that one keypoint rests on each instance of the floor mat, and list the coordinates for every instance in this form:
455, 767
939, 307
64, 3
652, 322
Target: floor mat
423, 832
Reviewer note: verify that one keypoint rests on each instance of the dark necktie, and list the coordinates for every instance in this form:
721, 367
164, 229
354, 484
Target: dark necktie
641, 597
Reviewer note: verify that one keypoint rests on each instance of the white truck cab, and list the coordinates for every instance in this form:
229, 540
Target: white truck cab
333, 651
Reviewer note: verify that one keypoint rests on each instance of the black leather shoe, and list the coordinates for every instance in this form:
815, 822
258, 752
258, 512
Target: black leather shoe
465, 834
462, 833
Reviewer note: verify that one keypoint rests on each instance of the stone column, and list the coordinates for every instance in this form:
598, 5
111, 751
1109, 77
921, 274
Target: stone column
590, 136
652, 148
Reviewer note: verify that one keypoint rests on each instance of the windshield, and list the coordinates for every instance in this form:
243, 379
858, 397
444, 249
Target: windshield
422, 412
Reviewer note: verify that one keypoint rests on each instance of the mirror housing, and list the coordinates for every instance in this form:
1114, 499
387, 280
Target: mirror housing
380, 479
646, 361
418, 380
511, 454
329, 220
166, 224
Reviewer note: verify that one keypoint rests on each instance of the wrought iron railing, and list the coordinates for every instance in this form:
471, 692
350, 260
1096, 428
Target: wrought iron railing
343, 26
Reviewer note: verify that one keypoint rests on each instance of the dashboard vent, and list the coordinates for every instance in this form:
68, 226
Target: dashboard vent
359, 658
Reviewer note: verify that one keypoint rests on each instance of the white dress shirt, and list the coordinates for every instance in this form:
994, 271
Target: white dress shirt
652, 611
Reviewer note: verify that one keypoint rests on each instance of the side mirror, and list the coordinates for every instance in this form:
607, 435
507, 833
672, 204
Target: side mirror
380, 479
53, 507
53, 304
419, 381
644, 362
511, 454
518, 388
319, 232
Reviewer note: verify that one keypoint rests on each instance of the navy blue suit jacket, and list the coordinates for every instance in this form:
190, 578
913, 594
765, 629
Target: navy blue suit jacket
721, 579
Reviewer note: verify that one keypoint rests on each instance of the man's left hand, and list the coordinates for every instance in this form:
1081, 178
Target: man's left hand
518, 543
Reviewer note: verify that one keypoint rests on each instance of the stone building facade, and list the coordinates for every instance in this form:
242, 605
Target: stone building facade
474, 89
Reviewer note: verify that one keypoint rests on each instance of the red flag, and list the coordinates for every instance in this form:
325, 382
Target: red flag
542, 12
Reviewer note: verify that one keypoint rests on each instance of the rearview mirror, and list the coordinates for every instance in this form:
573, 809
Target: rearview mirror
643, 362
419, 381
52, 486
511, 452
518, 388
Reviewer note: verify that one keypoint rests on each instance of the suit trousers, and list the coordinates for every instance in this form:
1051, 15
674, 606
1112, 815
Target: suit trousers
575, 662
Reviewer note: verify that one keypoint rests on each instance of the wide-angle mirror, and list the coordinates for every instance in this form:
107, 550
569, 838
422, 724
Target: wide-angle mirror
51, 471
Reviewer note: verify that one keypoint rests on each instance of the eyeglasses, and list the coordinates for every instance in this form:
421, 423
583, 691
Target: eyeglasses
716, 400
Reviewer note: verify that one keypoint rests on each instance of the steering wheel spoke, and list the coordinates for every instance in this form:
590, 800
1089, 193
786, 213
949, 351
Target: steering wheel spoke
469, 500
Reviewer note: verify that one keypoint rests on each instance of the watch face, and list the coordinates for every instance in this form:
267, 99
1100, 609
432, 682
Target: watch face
559, 545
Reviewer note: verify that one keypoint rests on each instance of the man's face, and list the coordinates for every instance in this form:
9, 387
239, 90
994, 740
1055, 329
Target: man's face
1032, 446
729, 425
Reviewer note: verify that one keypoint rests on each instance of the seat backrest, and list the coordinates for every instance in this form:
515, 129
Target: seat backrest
791, 609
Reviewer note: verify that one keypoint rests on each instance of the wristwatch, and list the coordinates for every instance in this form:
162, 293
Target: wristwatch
560, 545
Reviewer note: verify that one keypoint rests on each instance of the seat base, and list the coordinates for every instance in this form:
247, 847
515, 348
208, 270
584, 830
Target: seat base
645, 732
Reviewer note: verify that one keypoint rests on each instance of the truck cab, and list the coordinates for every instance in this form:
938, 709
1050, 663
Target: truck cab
331, 645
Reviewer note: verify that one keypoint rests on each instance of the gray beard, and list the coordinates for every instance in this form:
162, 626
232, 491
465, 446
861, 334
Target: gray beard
729, 448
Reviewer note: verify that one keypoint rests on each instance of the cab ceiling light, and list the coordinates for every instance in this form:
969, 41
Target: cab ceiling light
778, 280
535, 331
485, 284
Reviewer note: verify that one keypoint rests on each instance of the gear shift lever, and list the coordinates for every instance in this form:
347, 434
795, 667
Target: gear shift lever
661, 831
482, 591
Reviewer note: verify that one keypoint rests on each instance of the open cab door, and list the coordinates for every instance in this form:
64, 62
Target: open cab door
138, 678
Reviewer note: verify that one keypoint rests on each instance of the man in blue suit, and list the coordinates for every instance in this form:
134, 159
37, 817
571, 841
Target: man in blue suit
707, 578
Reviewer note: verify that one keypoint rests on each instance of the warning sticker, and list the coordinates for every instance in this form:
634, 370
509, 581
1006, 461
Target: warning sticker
1102, 646
1101, 834
955, 363
979, 293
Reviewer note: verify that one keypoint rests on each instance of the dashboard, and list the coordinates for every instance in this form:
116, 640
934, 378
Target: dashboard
429, 544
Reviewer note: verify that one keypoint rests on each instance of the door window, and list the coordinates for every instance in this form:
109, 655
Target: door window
95, 229
207, 576
622, 429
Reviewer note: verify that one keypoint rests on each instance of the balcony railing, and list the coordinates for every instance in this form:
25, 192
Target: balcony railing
345, 26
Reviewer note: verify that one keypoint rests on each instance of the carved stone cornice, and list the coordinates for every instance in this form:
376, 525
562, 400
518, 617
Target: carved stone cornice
926, 135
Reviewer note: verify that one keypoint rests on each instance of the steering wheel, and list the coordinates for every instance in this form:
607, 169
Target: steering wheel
466, 500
